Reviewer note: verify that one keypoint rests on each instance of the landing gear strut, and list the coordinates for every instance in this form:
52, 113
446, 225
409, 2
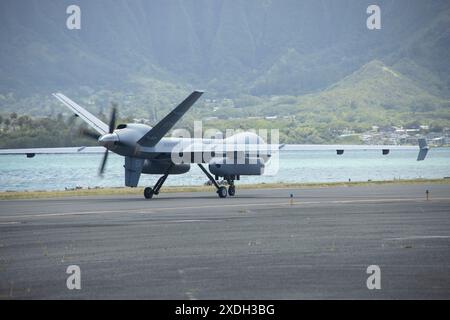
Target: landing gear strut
221, 190
149, 192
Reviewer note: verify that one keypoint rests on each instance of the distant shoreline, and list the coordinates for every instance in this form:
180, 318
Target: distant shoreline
17, 195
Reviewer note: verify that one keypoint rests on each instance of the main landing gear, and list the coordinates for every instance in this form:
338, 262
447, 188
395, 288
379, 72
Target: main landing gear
149, 192
221, 190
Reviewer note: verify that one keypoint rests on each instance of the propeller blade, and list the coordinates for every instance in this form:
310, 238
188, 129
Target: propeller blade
102, 167
70, 123
112, 121
87, 133
112, 126
72, 119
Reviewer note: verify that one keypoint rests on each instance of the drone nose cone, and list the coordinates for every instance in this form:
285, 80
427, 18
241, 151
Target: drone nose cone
108, 139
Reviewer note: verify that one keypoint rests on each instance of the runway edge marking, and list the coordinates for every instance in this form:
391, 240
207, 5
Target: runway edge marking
282, 204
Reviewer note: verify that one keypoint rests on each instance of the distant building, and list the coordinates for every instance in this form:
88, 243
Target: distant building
386, 129
142, 120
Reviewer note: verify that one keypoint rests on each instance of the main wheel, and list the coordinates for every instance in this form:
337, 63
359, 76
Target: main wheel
222, 192
148, 193
231, 190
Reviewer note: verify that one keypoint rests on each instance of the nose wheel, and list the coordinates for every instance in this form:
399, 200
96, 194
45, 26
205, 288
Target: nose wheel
222, 192
232, 190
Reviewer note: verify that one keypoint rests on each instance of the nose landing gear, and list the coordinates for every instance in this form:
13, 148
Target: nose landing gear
221, 190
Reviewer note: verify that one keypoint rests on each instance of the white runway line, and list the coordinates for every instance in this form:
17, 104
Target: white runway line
183, 221
417, 238
286, 203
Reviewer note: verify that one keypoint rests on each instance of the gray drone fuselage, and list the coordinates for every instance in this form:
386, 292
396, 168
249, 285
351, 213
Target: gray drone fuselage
174, 155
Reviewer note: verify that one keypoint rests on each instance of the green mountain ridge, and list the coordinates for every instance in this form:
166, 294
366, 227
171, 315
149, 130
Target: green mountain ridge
377, 85
379, 95
313, 59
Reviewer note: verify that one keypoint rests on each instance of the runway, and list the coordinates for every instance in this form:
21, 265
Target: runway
257, 245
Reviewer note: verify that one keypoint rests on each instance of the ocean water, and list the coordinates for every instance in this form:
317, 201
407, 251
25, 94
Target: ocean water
57, 172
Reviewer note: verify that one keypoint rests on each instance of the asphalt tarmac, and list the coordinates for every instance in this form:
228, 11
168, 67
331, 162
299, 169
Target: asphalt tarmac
257, 245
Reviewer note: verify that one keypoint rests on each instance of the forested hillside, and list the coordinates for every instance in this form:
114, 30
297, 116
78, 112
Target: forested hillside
314, 59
